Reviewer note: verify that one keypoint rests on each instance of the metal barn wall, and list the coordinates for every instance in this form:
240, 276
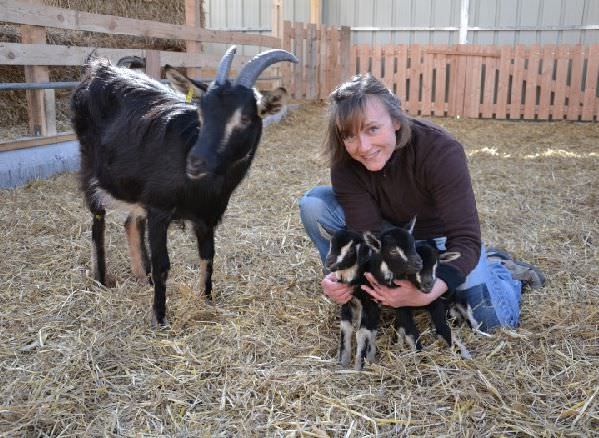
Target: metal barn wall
425, 14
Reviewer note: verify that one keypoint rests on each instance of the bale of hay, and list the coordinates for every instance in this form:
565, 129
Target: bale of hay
80, 359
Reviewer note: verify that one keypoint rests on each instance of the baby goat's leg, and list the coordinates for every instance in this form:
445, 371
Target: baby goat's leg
438, 316
366, 335
406, 328
347, 330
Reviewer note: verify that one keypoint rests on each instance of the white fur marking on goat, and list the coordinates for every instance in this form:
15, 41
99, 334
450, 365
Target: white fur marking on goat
103, 198
463, 350
362, 338
387, 273
347, 331
231, 125
401, 253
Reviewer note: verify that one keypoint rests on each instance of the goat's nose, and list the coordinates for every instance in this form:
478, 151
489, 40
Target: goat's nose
330, 262
196, 166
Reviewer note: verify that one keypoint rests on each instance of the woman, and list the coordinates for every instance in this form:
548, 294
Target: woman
386, 168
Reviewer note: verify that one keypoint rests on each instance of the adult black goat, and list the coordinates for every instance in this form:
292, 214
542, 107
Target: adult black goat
144, 146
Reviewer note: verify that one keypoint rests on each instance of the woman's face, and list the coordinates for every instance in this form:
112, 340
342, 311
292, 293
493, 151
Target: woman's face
375, 140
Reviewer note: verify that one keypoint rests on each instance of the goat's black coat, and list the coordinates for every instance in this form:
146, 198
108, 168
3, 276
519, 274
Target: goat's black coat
142, 144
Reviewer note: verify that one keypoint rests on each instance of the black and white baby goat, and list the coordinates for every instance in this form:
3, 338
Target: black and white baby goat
388, 265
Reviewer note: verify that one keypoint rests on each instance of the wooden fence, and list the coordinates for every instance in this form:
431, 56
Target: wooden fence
504, 82
324, 58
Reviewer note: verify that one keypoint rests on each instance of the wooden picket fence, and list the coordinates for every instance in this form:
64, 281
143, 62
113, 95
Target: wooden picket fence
324, 58
503, 82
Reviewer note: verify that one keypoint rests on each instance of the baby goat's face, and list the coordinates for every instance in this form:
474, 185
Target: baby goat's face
398, 251
425, 279
343, 251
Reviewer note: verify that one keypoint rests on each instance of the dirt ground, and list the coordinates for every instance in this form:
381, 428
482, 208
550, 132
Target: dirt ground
79, 359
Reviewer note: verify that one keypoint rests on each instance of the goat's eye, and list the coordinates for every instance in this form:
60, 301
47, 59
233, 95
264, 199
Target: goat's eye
246, 120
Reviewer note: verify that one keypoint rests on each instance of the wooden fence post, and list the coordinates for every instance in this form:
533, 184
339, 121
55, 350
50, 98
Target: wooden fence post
41, 104
153, 64
193, 19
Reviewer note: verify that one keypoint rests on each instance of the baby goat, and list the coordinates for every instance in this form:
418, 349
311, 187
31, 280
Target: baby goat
388, 266
348, 258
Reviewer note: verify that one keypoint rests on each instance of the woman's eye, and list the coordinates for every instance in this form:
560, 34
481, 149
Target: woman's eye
373, 129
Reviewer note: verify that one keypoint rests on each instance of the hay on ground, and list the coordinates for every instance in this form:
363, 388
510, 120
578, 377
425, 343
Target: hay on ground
79, 359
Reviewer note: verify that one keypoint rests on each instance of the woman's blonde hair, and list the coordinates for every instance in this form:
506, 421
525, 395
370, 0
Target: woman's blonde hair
347, 104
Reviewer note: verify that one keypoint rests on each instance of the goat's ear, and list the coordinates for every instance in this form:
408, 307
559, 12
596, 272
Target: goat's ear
411, 224
182, 83
325, 232
449, 256
372, 241
271, 102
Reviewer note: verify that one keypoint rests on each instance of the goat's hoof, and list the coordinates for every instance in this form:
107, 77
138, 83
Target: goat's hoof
164, 324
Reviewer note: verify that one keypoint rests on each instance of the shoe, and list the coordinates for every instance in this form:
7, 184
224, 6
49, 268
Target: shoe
528, 274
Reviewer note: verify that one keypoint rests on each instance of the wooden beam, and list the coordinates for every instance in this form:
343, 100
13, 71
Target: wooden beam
38, 141
153, 64
193, 20
277, 19
20, 12
51, 54
316, 11
41, 104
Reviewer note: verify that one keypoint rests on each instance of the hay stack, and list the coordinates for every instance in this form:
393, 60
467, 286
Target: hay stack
79, 359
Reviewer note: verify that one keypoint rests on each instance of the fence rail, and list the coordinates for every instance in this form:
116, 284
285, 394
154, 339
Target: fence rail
504, 82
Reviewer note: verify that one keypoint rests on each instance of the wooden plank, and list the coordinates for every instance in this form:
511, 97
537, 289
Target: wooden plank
548, 57
486, 108
459, 84
472, 85
561, 75
310, 61
532, 74
345, 52
377, 58
354, 60
333, 41
415, 69
488, 51
324, 68
50, 54
505, 64
19, 12
400, 76
427, 83
439, 106
520, 55
153, 64
37, 141
298, 69
286, 45
388, 61
192, 19
577, 54
41, 104
590, 93
277, 24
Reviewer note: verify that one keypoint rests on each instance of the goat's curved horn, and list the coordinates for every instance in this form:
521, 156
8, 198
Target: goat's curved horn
222, 73
250, 72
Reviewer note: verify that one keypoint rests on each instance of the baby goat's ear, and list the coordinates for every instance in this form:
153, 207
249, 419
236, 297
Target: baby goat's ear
449, 256
372, 241
411, 224
325, 232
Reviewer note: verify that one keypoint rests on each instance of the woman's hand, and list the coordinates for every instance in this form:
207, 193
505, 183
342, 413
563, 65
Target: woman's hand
340, 293
406, 295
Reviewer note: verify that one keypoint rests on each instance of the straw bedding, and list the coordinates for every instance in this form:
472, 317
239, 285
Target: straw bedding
79, 359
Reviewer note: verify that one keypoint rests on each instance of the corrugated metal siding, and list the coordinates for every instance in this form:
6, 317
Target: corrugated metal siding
256, 14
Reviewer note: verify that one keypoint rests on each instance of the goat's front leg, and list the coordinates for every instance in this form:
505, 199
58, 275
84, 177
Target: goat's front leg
366, 334
135, 227
347, 330
157, 231
406, 328
98, 245
205, 237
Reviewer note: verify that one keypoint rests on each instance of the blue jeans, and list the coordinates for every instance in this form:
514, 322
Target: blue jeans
489, 289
